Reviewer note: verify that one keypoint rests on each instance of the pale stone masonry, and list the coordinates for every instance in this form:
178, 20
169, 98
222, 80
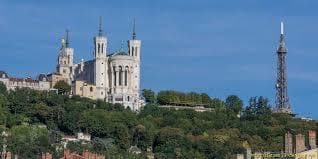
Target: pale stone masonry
312, 139
288, 143
114, 77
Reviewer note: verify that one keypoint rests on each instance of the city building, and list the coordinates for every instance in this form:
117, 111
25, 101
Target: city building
112, 77
41, 83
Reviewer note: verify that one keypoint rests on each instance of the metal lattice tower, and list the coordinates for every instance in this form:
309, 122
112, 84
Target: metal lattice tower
282, 100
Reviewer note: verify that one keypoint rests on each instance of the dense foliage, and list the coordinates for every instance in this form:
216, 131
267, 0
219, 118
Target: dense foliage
62, 87
191, 99
35, 121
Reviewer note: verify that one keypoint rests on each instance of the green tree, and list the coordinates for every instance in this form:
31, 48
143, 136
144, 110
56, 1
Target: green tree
78, 147
28, 142
234, 103
3, 88
170, 142
63, 87
258, 109
149, 96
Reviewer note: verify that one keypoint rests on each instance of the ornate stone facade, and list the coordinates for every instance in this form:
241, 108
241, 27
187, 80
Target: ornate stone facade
114, 77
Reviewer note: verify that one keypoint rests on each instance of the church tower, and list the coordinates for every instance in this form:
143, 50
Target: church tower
100, 63
65, 59
134, 47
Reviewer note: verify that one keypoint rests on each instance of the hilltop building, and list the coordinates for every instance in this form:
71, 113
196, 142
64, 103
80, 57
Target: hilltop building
114, 77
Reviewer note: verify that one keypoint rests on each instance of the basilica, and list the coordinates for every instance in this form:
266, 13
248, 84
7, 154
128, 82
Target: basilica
112, 77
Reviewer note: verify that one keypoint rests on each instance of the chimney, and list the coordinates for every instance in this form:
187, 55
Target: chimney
312, 139
300, 143
288, 143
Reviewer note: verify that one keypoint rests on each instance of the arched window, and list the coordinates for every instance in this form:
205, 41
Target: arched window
102, 48
120, 75
128, 98
126, 74
136, 51
115, 77
69, 59
64, 62
91, 89
98, 49
132, 51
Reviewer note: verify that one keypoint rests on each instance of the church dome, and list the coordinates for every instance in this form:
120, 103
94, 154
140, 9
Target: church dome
120, 53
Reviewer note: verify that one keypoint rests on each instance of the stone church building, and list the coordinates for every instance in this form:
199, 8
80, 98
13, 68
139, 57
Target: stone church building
112, 77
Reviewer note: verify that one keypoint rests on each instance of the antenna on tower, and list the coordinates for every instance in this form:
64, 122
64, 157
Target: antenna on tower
134, 30
100, 31
67, 42
281, 28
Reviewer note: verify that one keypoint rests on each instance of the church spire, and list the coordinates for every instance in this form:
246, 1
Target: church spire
67, 42
100, 31
134, 30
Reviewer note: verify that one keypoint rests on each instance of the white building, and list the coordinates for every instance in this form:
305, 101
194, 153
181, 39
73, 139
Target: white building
114, 77
41, 83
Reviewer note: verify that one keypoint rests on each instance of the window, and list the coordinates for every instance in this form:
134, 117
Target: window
119, 99
132, 51
98, 49
102, 93
91, 89
126, 74
136, 51
64, 70
128, 98
120, 75
115, 77
64, 62
102, 48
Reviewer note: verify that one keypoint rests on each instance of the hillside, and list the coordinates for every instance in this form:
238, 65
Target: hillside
166, 133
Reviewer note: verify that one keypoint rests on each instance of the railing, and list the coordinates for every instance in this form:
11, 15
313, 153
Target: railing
195, 108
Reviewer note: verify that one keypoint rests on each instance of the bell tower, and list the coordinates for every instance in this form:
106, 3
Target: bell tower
100, 43
134, 44
134, 47
100, 63
65, 59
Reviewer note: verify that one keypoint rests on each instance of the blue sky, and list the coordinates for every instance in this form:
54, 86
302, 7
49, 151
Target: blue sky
218, 47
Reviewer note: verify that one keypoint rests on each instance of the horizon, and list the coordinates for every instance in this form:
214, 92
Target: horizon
217, 48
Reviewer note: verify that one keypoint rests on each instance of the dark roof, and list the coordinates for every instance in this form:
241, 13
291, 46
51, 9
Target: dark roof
119, 53
122, 53
3, 73
41, 77
29, 79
